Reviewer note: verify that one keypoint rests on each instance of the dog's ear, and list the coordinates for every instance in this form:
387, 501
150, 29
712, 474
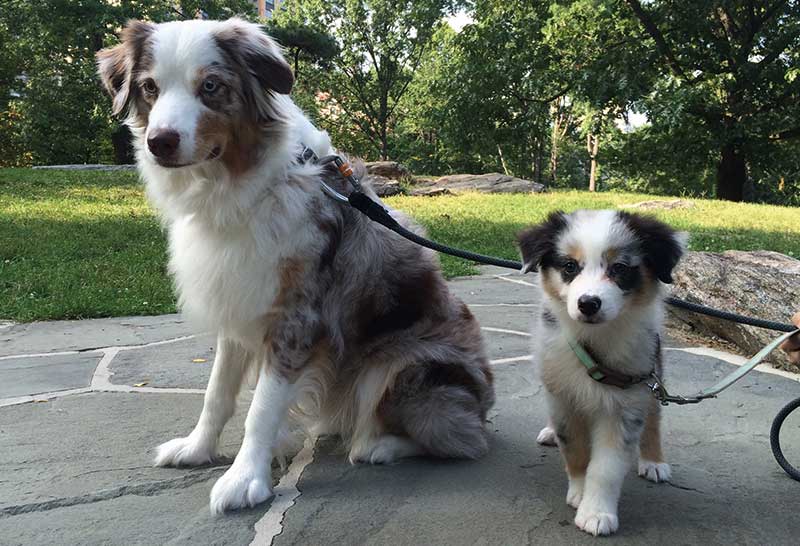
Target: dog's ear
537, 244
662, 246
248, 46
115, 64
114, 70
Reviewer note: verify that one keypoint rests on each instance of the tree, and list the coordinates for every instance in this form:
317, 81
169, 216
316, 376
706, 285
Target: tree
381, 44
726, 69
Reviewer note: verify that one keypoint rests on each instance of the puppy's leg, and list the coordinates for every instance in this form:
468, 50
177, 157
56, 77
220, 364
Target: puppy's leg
573, 442
614, 445
651, 460
547, 436
200, 447
248, 481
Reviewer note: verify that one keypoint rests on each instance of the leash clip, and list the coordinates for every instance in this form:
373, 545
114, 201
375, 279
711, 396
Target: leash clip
665, 398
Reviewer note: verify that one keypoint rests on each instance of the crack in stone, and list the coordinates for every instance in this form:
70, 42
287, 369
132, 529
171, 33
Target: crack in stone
147, 489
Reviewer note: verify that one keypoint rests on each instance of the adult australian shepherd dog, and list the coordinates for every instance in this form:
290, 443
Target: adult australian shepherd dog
601, 275
347, 324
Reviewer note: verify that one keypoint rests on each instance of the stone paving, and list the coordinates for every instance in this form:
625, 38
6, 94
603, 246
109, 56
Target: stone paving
83, 403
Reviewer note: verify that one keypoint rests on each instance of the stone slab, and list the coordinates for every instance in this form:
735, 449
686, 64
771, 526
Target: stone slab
76, 335
25, 376
169, 365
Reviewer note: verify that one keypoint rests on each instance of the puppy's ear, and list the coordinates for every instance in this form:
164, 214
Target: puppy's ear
115, 64
662, 246
537, 244
248, 46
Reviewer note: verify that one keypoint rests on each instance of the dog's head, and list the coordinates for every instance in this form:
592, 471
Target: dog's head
195, 90
595, 264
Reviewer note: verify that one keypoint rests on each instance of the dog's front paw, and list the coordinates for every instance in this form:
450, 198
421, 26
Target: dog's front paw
547, 437
596, 523
655, 472
239, 488
189, 451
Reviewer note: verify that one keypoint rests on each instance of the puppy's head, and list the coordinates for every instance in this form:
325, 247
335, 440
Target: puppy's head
194, 90
595, 264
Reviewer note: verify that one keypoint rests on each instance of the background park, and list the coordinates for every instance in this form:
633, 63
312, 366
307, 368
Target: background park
478, 117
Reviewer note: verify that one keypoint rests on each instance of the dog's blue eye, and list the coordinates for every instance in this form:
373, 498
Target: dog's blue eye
209, 86
570, 267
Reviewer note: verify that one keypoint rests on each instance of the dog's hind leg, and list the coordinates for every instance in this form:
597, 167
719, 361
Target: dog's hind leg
651, 460
200, 447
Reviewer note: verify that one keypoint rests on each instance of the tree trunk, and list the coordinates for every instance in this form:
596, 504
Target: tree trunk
121, 140
731, 174
592, 145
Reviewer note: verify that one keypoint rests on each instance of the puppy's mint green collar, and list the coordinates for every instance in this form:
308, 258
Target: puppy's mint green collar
600, 373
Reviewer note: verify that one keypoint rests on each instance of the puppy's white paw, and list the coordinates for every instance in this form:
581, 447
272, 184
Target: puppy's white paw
385, 449
239, 488
189, 451
596, 523
575, 492
655, 472
547, 437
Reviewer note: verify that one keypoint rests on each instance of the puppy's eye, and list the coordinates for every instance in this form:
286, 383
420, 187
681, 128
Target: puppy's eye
210, 86
149, 87
619, 269
570, 267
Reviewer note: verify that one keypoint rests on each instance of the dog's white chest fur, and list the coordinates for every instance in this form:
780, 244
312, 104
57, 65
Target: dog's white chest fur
226, 279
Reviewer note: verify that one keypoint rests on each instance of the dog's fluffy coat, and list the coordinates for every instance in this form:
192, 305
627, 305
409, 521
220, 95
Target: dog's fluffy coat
347, 323
601, 277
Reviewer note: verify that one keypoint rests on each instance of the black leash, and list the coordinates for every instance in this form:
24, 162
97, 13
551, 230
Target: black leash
376, 212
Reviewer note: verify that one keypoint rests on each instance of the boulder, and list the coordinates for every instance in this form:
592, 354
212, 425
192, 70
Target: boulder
383, 186
483, 183
660, 204
387, 169
759, 284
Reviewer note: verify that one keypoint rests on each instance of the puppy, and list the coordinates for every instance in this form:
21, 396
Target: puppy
601, 275
349, 327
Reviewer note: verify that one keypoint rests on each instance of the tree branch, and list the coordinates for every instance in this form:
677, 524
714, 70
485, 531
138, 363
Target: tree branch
651, 29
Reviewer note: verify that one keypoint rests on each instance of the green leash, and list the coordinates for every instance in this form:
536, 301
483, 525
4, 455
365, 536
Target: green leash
610, 377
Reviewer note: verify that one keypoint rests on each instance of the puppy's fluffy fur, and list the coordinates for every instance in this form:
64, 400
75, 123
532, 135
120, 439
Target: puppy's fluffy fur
347, 324
601, 277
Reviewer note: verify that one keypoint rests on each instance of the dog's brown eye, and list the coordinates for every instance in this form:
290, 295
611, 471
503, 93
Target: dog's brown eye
210, 86
149, 87
570, 267
619, 269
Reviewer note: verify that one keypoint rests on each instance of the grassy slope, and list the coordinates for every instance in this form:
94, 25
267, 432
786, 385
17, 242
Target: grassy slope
85, 244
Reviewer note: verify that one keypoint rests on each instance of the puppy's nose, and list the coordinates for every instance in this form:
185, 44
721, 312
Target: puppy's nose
589, 305
164, 143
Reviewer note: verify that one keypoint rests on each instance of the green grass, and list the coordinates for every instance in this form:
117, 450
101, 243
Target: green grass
85, 244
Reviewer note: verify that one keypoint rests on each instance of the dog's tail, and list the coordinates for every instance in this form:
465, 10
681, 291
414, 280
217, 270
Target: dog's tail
440, 407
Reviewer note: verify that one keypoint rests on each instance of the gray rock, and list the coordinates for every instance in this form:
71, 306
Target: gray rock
759, 284
383, 186
387, 169
87, 167
484, 183
661, 204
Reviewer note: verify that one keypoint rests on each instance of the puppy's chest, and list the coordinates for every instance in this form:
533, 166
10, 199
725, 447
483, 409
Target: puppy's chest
563, 374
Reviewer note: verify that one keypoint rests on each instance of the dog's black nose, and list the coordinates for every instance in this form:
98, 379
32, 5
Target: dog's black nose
164, 144
589, 305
